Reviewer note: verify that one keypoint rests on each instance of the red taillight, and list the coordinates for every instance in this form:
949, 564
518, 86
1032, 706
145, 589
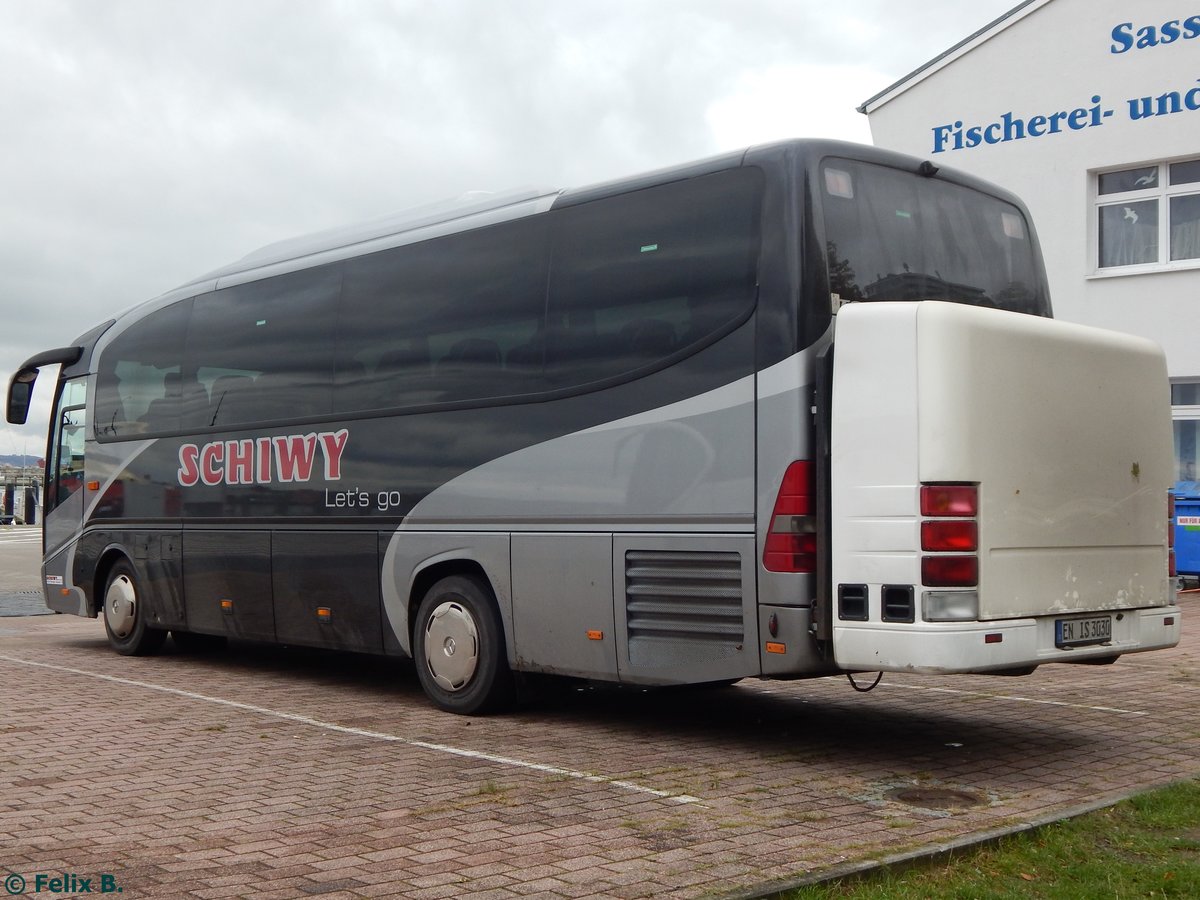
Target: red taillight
791, 553
950, 571
791, 544
950, 527
795, 493
949, 500
950, 535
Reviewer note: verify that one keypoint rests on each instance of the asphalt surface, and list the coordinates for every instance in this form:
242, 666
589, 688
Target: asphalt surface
278, 773
20, 555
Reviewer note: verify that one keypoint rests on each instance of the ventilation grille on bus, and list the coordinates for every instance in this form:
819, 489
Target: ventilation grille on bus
682, 606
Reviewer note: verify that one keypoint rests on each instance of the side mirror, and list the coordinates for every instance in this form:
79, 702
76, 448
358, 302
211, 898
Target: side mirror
20, 393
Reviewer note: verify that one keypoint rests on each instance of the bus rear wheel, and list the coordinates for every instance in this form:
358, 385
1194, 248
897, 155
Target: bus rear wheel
458, 648
125, 615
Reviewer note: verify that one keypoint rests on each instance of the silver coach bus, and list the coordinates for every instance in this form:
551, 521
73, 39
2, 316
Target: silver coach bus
789, 412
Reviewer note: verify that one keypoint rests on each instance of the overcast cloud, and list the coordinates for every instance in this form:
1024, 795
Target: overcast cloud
149, 141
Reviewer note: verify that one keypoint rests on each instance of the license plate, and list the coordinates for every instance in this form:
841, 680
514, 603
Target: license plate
1080, 632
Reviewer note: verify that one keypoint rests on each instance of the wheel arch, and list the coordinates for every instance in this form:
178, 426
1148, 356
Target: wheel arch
108, 558
427, 577
414, 561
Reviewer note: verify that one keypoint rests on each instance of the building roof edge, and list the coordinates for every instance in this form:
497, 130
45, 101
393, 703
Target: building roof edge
987, 32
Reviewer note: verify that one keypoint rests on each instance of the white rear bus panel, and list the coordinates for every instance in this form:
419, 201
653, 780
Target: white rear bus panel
1064, 432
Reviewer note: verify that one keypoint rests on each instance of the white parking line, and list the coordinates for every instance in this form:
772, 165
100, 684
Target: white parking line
20, 537
362, 732
1009, 697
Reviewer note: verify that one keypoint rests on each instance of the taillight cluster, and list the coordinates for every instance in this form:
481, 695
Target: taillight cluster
792, 540
950, 535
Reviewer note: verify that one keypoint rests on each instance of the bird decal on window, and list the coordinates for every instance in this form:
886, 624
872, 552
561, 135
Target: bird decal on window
1131, 216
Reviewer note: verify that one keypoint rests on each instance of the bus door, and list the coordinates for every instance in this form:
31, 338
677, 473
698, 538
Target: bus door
65, 492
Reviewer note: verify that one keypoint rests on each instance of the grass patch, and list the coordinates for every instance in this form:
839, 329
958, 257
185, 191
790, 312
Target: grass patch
1148, 846
490, 789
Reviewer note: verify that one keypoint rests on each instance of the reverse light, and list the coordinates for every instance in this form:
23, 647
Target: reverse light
950, 606
791, 544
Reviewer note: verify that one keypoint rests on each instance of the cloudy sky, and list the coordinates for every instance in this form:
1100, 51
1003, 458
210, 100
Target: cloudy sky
144, 142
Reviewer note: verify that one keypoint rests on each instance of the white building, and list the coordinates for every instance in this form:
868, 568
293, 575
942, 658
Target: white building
1089, 110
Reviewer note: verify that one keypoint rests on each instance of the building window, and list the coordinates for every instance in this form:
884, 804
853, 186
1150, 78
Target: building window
1185, 411
1149, 215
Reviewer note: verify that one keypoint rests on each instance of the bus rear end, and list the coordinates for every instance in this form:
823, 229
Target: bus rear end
998, 491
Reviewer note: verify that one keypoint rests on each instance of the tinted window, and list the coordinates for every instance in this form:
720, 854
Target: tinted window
64, 476
138, 385
892, 235
455, 318
262, 350
641, 276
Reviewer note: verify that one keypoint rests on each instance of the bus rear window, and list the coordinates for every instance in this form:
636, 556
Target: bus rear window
893, 235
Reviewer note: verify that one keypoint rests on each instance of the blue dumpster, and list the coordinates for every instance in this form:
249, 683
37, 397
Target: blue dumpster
1187, 528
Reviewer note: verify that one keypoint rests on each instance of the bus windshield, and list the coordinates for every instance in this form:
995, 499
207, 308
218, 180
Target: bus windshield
893, 236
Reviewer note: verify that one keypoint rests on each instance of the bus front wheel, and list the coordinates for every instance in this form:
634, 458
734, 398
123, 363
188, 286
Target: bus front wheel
125, 614
458, 648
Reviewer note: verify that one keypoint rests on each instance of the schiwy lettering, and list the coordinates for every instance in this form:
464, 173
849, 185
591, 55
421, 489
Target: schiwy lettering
262, 460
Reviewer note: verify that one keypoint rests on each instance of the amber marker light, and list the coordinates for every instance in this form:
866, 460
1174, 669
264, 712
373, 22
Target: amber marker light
93, 485
774, 647
595, 635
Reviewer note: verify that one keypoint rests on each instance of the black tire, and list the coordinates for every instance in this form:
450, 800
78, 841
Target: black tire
125, 614
458, 648
191, 642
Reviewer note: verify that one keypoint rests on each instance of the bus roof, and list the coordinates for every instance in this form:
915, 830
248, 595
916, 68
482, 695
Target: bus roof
479, 208
482, 206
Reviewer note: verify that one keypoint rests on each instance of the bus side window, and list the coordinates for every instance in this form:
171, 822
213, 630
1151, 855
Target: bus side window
444, 320
138, 385
275, 337
641, 276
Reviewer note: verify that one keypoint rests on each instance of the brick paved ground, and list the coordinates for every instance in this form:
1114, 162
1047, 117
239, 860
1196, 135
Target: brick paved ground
271, 773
